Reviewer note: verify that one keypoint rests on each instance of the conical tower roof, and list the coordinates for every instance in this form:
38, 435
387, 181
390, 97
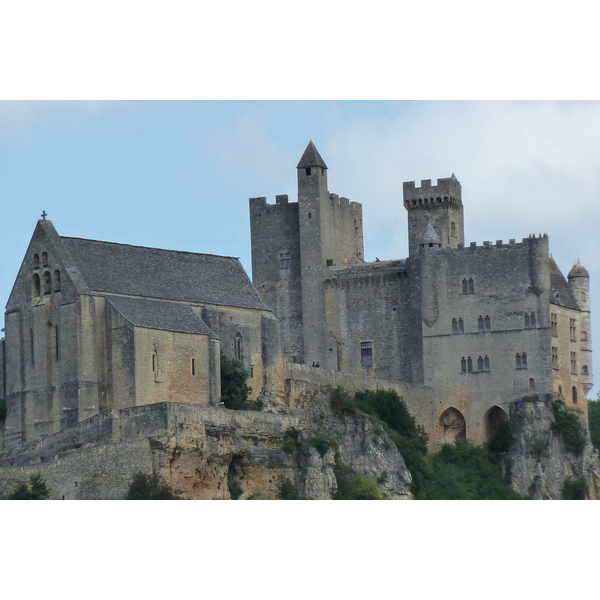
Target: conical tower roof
578, 271
311, 158
430, 236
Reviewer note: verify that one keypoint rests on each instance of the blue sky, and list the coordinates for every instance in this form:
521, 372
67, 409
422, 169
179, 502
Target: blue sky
178, 174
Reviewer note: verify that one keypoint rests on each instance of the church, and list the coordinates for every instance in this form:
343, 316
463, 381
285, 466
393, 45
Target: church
461, 329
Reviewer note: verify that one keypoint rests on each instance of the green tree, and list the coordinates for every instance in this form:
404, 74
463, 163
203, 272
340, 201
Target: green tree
568, 425
234, 390
575, 488
502, 440
286, 490
594, 421
36, 490
352, 485
150, 487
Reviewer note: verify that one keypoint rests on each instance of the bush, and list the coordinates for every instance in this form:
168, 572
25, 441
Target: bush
36, 490
569, 427
150, 487
341, 402
287, 490
322, 443
353, 485
291, 440
234, 390
502, 440
260, 496
575, 488
594, 421
235, 487
539, 448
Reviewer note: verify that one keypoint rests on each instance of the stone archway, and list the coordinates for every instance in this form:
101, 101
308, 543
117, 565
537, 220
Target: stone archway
453, 426
491, 419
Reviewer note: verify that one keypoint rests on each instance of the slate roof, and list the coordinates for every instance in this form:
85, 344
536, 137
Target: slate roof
430, 236
578, 270
311, 158
163, 274
559, 285
156, 314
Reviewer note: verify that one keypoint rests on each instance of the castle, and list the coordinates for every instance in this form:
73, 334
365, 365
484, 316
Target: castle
94, 326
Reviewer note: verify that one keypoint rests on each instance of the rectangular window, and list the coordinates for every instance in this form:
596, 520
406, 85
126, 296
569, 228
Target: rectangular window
554, 324
330, 262
366, 354
32, 351
284, 260
574, 363
572, 330
554, 357
56, 342
193, 367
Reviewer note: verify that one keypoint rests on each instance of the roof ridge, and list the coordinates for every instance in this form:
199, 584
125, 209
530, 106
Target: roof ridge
66, 237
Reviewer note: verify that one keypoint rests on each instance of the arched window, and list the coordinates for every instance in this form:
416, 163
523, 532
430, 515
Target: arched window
488, 323
526, 320
574, 393
237, 347
465, 286
453, 425
44, 259
480, 363
532, 320
583, 336
486, 363
584, 370
463, 365
57, 280
35, 285
46, 281
471, 286
36, 261
480, 323
518, 361
461, 326
532, 385
469, 364
524, 360
582, 296
454, 326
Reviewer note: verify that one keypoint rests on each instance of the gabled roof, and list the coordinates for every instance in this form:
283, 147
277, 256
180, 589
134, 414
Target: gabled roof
107, 267
560, 291
311, 158
156, 314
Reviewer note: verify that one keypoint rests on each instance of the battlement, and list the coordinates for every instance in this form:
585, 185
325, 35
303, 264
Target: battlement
261, 201
486, 245
447, 191
343, 202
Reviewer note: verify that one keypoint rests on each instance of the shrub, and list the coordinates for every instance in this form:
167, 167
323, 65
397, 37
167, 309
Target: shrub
287, 490
575, 488
260, 496
291, 440
353, 485
234, 390
539, 448
341, 402
150, 487
502, 440
235, 487
569, 427
36, 490
322, 443
594, 421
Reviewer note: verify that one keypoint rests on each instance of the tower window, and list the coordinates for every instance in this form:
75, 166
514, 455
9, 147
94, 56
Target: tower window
36, 261
463, 365
582, 296
366, 354
584, 370
554, 324
583, 336
521, 360
532, 384
237, 347
574, 392
284, 260
56, 341
469, 364
307, 170
554, 357
35, 285
57, 280
193, 367
572, 330
44, 259
46, 279
454, 326
574, 363
31, 344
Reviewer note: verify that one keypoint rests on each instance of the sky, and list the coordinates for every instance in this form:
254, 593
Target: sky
178, 174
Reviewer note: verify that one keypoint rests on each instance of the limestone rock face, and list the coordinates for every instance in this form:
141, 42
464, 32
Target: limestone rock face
540, 461
201, 450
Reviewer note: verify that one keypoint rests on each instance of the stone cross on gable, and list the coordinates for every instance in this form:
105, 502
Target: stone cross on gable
44, 215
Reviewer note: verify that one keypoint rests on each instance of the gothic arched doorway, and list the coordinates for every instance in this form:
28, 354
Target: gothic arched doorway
491, 419
453, 425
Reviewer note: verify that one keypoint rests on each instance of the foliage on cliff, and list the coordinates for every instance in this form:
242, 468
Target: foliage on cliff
150, 487
594, 420
568, 425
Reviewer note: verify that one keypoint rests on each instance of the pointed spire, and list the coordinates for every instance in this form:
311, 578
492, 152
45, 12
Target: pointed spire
311, 158
430, 236
578, 271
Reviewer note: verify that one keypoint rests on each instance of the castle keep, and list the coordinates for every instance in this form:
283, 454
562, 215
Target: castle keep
460, 330
480, 324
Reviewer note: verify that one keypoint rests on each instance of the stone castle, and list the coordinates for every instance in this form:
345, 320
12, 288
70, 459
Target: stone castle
461, 331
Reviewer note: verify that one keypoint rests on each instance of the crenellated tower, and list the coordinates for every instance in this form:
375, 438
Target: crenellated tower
437, 205
579, 281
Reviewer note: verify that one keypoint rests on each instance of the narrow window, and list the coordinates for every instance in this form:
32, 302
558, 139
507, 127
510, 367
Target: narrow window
554, 324
307, 170
560, 389
251, 371
57, 346
518, 360
453, 229
154, 363
454, 326
486, 363
480, 363
532, 320
532, 385
471, 286
524, 360
465, 286
480, 323
36, 261
582, 296
584, 370
572, 330
574, 362
44, 259
554, 357
574, 392
527, 321
35, 285
469, 365
463, 365
366, 354
47, 288
237, 347
284, 260
309, 216
461, 326
32, 349
193, 367
583, 336
57, 280
488, 323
